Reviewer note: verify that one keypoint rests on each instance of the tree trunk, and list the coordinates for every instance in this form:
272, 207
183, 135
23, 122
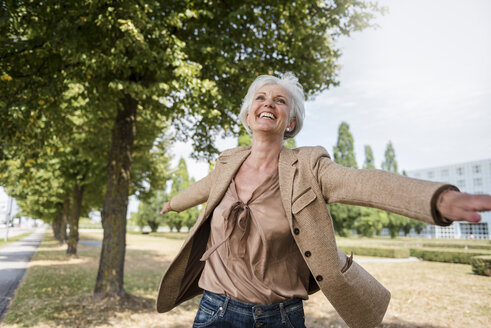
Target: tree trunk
109, 281
66, 209
74, 217
56, 226
59, 224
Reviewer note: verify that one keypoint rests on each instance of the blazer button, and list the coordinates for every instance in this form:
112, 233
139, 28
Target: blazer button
296, 231
308, 253
319, 278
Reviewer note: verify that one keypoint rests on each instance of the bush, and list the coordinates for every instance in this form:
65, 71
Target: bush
394, 252
445, 255
460, 245
481, 265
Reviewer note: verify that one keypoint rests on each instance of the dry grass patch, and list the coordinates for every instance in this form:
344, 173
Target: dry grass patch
12, 239
56, 291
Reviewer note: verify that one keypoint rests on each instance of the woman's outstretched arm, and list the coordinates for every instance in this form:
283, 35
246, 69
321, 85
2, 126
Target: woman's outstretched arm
432, 202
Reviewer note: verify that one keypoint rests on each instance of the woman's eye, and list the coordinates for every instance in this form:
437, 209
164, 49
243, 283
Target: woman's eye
260, 98
281, 101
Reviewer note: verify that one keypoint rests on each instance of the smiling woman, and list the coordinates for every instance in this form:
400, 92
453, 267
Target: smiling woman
288, 94
265, 240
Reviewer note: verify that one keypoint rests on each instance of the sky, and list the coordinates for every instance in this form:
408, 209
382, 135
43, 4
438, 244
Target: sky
422, 80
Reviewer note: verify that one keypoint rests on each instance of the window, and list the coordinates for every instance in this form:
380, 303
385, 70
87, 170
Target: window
477, 182
460, 171
474, 231
430, 175
461, 183
476, 168
444, 173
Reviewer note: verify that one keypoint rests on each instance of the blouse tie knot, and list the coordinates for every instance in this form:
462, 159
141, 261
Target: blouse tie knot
236, 218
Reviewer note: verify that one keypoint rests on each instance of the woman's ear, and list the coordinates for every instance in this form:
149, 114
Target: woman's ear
291, 125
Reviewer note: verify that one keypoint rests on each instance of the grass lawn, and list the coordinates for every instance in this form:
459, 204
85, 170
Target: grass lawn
12, 239
56, 291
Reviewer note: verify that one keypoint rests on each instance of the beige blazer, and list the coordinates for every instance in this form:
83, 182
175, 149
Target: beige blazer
308, 180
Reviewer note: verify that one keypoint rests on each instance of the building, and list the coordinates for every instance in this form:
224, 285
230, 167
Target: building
471, 177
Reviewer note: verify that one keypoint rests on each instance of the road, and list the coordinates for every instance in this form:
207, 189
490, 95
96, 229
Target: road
14, 260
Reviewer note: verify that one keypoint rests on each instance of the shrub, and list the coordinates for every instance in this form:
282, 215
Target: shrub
395, 252
481, 265
460, 245
445, 255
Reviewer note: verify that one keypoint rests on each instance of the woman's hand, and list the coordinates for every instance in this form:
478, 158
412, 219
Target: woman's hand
165, 208
458, 206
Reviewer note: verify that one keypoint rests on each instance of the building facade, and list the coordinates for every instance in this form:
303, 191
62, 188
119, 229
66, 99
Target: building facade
471, 177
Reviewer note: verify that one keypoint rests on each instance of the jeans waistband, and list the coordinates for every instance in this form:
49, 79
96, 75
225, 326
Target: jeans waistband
255, 310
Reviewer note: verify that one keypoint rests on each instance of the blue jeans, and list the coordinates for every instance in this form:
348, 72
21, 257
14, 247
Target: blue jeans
223, 312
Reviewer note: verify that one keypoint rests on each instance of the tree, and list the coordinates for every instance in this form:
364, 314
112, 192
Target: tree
344, 150
369, 159
390, 163
290, 143
372, 220
344, 215
244, 138
140, 64
148, 212
395, 222
180, 181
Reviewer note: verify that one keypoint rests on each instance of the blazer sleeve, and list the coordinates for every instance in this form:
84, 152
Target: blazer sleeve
379, 189
195, 194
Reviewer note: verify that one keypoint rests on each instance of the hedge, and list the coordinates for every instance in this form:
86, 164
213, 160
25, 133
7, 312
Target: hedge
448, 245
395, 252
446, 255
481, 265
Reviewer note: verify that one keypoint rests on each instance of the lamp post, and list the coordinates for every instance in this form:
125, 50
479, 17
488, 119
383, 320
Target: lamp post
8, 218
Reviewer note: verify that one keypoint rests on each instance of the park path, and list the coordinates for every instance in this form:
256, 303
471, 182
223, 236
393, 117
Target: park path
14, 260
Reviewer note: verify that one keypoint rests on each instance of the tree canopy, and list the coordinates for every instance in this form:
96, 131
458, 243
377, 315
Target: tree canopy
134, 68
343, 215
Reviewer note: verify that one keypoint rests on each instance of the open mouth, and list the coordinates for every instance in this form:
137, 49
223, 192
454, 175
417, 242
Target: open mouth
267, 115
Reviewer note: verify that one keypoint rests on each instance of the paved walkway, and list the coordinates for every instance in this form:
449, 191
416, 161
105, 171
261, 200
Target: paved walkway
14, 231
14, 260
387, 260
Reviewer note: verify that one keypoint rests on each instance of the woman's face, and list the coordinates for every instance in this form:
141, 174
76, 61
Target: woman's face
270, 110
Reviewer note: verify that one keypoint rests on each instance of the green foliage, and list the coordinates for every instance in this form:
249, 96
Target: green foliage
290, 143
446, 255
395, 222
481, 265
133, 69
369, 159
149, 212
393, 252
370, 222
180, 181
344, 153
344, 216
244, 138
390, 162
461, 245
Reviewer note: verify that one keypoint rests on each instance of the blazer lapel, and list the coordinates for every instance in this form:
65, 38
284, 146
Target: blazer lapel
230, 164
286, 172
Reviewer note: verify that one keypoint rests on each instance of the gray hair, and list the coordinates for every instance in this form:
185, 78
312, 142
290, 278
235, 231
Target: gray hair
289, 82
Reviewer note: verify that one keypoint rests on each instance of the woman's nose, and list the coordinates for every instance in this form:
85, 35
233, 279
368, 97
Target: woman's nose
269, 103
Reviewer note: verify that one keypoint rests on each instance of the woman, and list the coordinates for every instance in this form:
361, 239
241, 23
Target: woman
265, 240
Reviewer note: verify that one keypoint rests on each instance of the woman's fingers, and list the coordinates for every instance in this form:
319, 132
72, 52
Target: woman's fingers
459, 206
481, 202
165, 208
